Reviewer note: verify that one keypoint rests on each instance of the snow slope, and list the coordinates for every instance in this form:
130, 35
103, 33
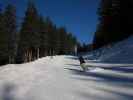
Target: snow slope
61, 78
121, 52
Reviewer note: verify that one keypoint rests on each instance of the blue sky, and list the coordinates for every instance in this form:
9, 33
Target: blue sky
78, 16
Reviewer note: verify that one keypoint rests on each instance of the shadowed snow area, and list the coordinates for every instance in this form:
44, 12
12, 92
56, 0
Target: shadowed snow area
61, 78
121, 52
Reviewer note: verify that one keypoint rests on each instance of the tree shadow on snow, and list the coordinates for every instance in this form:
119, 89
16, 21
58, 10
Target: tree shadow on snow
8, 92
102, 76
107, 79
110, 95
120, 94
120, 69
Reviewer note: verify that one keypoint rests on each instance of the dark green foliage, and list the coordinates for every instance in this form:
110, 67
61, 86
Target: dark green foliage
71, 44
8, 43
113, 14
63, 38
127, 17
37, 37
11, 29
29, 29
3, 43
50, 36
43, 45
85, 48
29, 43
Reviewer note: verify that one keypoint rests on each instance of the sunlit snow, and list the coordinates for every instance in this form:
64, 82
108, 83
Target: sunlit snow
61, 78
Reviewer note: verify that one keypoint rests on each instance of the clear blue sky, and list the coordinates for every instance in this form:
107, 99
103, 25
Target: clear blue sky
78, 16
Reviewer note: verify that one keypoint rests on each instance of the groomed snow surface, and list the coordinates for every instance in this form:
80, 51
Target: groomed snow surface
61, 78
110, 77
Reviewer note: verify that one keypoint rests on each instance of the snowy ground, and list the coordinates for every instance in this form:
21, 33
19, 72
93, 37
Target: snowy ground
61, 78
121, 52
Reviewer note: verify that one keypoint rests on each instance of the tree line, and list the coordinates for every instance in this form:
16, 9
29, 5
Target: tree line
35, 37
115, 22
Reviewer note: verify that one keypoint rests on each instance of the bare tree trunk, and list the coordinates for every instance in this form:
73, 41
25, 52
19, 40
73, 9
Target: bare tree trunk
38, 53
51, 53
45, 52
25, 56
30, 55
35, 54
9, 59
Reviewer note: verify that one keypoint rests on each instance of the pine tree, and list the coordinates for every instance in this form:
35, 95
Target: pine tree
63, 37
50, 36
58, 41
74, 45
66, 42
108, 30
29, 34
10, 31
39, 37
71, 44
3, 42
54, 41
126, 18
43, 37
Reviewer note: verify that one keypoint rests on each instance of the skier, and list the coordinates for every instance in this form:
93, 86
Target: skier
82, 63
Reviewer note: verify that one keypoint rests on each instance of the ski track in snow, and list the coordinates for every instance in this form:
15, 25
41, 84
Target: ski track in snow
61, 78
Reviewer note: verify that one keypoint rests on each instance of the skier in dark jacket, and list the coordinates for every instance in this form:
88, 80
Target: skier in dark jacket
81, 59
82, 63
